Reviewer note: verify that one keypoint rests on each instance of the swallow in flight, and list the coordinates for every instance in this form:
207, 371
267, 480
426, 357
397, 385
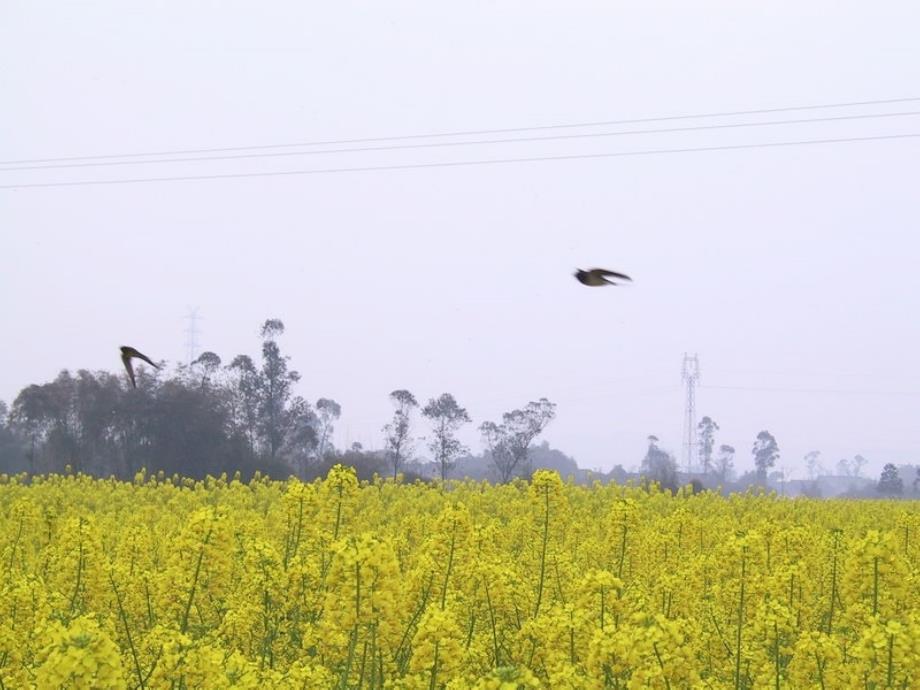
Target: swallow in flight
127, 354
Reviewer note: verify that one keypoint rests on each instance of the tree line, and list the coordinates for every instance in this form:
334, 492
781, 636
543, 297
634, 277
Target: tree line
210, 417
716, 469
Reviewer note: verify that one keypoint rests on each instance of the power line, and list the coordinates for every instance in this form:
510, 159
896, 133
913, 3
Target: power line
472, 132
820, 391
481, 142
457, 164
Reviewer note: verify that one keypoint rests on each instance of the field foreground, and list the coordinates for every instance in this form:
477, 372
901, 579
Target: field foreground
168, 583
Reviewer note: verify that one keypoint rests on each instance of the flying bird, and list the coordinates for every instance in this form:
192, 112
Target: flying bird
127, 353
597, 277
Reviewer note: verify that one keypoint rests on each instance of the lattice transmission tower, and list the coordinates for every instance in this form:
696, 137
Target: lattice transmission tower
191, 335
690, 374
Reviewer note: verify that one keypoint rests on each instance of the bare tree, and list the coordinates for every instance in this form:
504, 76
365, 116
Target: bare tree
509, 442
398, 442
446, 419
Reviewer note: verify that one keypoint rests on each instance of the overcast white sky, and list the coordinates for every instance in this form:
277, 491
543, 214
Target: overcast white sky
790, 269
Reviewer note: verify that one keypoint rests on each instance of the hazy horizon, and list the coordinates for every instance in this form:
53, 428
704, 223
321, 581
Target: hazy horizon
791, 271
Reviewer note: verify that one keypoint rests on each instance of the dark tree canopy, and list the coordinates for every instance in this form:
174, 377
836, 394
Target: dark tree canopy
659, 466
203, 419
766, 453
890, 482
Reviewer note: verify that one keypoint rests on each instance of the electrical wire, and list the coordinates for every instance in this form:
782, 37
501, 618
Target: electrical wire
819, 391
458, 164
511, 140
472, 132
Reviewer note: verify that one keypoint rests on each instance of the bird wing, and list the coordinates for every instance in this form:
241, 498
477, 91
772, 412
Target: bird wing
139, 355
613, 274
126, 359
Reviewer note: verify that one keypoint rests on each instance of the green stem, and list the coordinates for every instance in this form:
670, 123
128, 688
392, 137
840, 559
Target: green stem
432, 684
667, 684
820, 670
124, 620
776, 652
622, 552
9, 567
76, 591
602, 607
740, 622
469, 633
415, 616
450, 564
492, 618
543, 554
830, 615
890, 664
191, 593
343, 682
150, 616
875, 586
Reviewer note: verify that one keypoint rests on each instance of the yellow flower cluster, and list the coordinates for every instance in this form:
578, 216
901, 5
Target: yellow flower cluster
166, 582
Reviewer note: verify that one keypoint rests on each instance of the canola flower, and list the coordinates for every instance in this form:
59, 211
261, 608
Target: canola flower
166, 582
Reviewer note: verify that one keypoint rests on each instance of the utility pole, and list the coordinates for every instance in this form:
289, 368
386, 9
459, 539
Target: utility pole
690, 374
191, 335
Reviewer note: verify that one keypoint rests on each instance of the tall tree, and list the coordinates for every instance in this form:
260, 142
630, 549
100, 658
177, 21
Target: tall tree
707, 429
813, 464
327, 412
244, 400
302, 439
28, 419
766, 453
858, 463
843, 468
49, 414
725, 462
12, 446
275, 387
397, 438
207, 364
890, 482
446, 418
509, 442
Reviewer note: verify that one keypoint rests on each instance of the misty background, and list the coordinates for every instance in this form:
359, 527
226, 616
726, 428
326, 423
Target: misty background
791, 270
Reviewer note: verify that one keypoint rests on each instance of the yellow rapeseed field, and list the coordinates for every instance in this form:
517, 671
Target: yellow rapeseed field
169, 583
